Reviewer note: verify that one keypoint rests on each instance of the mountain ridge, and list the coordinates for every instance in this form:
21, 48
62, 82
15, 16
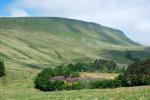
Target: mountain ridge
36, 41
70, 23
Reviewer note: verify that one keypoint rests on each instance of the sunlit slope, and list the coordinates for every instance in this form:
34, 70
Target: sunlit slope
38, 41
67, 28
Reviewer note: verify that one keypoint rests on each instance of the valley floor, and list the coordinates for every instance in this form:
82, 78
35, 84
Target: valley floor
28, 93
18, 85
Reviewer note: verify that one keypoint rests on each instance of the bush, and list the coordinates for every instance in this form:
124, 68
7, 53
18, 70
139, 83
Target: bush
2, 69
80, 67
75, 86
62, 70
101, 84
120, 81
147, 81
119, 70
104, 65
51, 79
98, 65
138, 73
42, 79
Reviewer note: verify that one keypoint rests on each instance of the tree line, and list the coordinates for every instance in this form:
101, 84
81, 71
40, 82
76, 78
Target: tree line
67, 77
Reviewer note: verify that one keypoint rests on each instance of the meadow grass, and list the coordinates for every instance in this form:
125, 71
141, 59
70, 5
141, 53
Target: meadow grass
97, 75
18, 85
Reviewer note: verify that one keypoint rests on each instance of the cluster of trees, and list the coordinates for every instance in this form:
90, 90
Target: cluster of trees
2, 68
136, 74
80, 67
99, 65
45, 79
45, 82
104, 65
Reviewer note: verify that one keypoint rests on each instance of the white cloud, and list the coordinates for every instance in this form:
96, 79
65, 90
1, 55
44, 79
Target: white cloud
128, 15
143, 26
18, 13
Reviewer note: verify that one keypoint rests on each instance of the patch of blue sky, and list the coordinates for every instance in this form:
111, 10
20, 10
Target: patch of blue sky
4, 4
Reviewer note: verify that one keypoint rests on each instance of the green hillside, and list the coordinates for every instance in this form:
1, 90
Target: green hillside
29, 44
75, 30
39, 42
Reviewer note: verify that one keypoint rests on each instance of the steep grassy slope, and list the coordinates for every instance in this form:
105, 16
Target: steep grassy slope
67, 28
38, 42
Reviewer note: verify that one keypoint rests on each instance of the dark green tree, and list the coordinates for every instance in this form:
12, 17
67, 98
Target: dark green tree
138, 73
2, 68
104, 65
130, 56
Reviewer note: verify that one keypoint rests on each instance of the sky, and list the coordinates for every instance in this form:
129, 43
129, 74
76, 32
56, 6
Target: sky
130, 16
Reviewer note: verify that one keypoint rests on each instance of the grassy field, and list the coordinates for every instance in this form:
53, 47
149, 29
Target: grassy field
98, 75
18, 85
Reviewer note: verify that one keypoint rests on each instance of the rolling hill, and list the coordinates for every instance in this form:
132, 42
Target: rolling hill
29, 44
41, 41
